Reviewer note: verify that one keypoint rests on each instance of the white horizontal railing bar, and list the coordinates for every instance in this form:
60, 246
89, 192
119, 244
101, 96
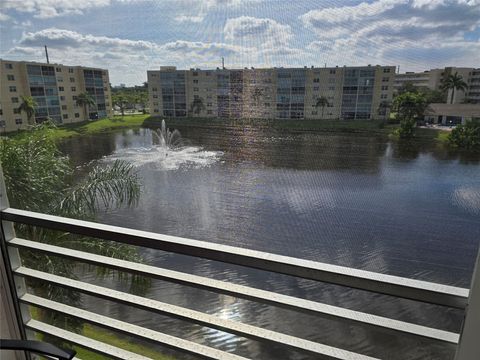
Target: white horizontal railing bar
234, 327
152, 335
241, 291
83, 341
360, 279
136, 331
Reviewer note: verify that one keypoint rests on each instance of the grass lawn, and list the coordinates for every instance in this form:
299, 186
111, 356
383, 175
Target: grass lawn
287, 124
115, 340
90, 127
107, 337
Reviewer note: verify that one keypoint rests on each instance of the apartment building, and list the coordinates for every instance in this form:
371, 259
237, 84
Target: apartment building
55, 88
432, 79
284, 93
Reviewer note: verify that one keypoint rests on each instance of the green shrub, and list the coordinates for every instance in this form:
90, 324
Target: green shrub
466, 136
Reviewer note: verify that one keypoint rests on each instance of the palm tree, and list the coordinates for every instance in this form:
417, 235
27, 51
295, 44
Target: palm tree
28, 106
454, 82
85, 100
40, 178
197, 105
322, 101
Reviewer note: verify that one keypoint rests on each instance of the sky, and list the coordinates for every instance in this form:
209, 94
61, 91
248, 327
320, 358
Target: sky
129, 37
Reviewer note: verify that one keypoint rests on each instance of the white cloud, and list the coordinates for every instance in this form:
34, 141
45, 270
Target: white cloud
347, 14
44, 9
413, 33
193, 19
252, 29
127, 60
65, 38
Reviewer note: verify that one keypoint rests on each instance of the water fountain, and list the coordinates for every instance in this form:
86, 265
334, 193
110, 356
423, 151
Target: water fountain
168, 140
168, 151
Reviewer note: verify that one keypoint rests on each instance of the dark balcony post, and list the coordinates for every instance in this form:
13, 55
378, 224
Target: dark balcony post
13, 314
469, 345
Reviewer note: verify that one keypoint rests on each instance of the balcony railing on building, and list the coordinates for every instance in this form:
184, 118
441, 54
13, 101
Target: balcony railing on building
468, 300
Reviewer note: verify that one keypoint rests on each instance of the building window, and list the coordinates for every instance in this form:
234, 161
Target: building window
316, 88
195, 89
153, 89
155, 96
74, 88
70, 70
267, 104
209, 104
331, 80
384, 87
1, 112
207, 73
209, 112
12, 88
2, 123
333, 71
59, 79
60, 88
16, 111
314, 112
58, 69
65, 116
196, 97
383, 96
77, 115
331, 88
74, 98
62, 98
14, 100
195, 73
385, 79
386, 70
316, 80
155, 110
8, 66
72, 79
64, 107
18, 121
195, 81
10, 77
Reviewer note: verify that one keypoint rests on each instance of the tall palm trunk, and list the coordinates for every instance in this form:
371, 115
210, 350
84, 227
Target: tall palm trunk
453, 92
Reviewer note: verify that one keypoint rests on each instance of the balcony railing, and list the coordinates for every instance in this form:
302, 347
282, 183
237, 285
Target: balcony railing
422, 291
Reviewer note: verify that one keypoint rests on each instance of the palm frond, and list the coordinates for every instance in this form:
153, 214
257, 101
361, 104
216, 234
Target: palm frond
104, 187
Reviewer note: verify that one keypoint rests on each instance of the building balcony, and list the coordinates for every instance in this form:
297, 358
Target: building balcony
449, 297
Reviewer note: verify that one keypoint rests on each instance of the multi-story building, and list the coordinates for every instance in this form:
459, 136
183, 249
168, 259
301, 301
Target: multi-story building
285, 93
432, 79
55, 89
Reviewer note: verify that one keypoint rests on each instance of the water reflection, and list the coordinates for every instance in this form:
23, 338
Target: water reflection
360, 201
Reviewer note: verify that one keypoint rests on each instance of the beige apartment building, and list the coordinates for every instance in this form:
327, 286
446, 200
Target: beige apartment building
271, 93
432, 79
55, 88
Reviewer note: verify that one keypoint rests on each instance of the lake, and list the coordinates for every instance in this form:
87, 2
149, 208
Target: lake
354, 200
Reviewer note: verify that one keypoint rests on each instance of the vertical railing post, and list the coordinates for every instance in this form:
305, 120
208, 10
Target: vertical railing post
469, 344
16, 314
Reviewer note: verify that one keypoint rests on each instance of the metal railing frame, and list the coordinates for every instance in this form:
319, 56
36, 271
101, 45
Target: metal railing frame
468, 300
